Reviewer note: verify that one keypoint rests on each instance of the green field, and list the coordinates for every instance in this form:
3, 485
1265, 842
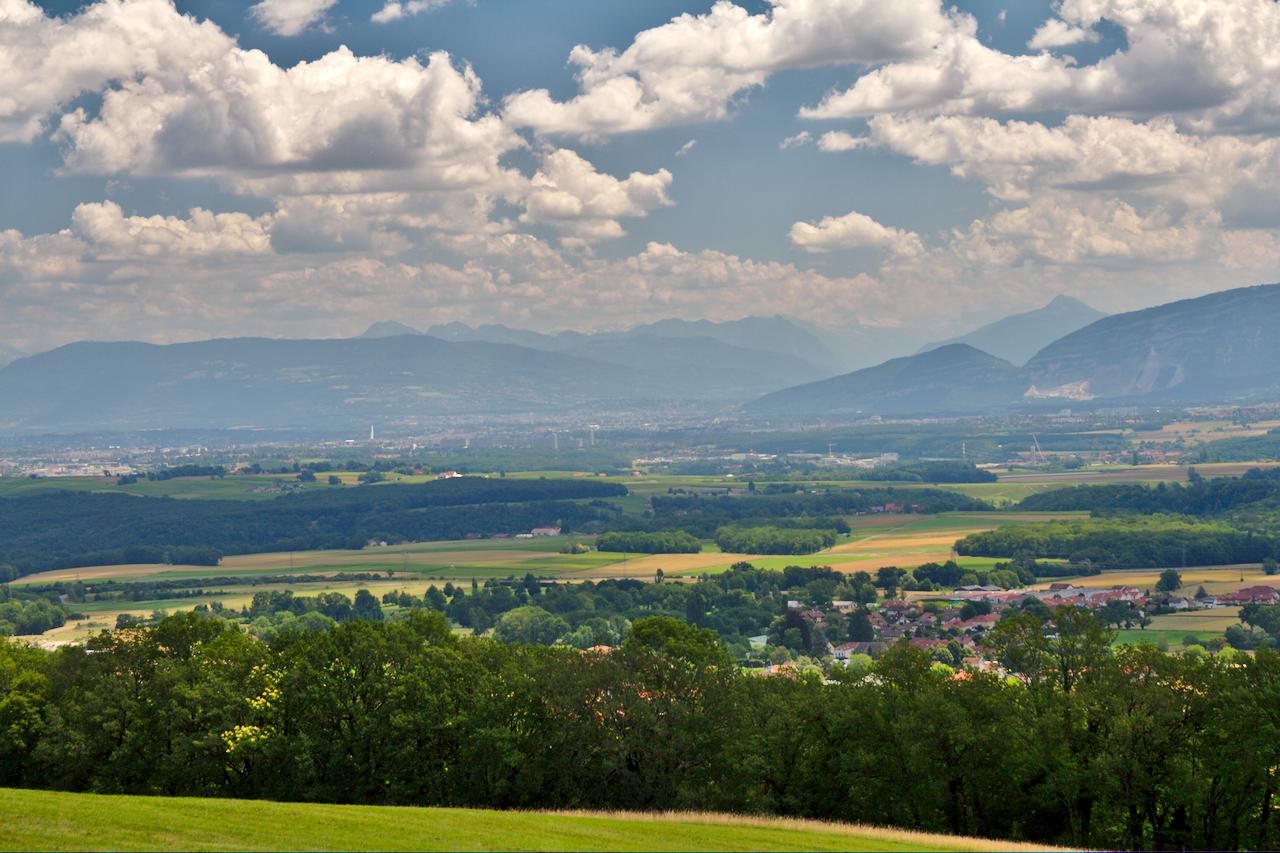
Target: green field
41, 820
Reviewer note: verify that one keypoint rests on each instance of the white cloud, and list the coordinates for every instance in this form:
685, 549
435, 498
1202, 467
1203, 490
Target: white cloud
686, 148
1016, 160
694, 66
341, 123
570, 195
1054, 230
1211, 64
1058, 33
109, 233
47, 61
796, 140
851, 231
393, 10
838, 140
290, 17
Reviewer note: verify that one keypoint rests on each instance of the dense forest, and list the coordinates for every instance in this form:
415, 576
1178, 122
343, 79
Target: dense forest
702, 515
52, 530
1092, 747
774, 540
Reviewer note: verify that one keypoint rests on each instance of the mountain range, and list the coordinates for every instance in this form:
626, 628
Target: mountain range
1217, 348
391, 374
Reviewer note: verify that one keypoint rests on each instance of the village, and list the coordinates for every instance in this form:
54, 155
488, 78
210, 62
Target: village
954, 628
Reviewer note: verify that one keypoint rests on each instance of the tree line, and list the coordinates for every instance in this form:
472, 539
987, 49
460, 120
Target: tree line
1125, 748
654, 542
1124, 542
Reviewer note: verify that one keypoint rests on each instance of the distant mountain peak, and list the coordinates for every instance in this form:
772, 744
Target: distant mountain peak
388, 329
1018, 337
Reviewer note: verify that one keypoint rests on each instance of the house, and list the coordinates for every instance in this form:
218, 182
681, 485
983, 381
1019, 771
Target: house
843, 606
844, 651
448, 475
1251, 595
979, 623
545, 531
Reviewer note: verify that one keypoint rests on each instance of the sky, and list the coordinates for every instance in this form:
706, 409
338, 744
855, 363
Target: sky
302, 168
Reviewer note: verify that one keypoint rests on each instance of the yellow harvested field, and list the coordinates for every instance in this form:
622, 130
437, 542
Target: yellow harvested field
1215, 579
647, 565
889, 541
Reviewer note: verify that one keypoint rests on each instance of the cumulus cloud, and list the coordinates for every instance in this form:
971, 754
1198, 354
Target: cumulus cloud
1089, 154
46, 61
569, 194
1070, 231
852, 231
1212, 64
694, 66
1058, 33
105, 228
290, 17
341, 123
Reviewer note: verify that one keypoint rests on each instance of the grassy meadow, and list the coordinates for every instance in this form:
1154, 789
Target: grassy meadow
42, 820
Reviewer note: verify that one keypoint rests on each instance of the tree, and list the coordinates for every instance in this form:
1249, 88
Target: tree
1170, 580
887, 578
529, 625
366, 606
673, 638
860, 628
335, 480
306, 477
1270, 566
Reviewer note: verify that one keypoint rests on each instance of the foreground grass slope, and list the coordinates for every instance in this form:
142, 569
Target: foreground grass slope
42, 820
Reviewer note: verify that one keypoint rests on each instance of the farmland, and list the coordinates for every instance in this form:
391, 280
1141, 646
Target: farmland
876, 541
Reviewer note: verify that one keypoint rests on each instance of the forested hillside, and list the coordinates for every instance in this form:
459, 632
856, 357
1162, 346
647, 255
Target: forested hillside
67, 529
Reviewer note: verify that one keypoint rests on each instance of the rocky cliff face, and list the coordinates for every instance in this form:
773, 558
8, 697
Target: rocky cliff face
1221, 346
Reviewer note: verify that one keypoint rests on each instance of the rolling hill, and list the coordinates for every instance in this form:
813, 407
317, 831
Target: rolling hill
46, 820
1018, 337
952, 378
